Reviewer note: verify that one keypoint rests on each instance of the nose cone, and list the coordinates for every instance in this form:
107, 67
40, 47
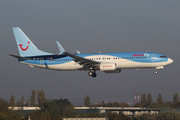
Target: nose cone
170, 60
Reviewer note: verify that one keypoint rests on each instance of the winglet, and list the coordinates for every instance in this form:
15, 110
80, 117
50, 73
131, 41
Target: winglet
61, 49
78, 52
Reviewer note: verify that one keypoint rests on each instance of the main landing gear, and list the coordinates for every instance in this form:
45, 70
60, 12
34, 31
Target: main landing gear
92, 73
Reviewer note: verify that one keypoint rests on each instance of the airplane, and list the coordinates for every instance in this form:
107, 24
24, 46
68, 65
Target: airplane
65, 61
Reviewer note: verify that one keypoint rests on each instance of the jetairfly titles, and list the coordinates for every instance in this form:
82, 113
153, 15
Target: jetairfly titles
65, 61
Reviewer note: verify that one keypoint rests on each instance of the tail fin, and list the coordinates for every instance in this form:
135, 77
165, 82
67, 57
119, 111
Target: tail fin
61, 49
25, 45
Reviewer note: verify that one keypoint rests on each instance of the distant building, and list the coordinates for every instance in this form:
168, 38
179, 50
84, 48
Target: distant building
25, 110
84, 110
125, 110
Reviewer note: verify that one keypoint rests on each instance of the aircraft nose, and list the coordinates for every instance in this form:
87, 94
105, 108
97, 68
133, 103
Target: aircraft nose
170, 60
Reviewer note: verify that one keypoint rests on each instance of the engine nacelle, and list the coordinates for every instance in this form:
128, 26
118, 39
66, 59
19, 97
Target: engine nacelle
108, 66
113, 71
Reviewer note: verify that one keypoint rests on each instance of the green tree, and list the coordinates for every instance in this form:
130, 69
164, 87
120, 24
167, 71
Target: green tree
102, 103
149, 98
62, 103
33, 101
175, 98
169, 104
27, 102
18, 104
125, 105
70, 112
37, 95
143, 99
160, 99
172, 115
53, 110
12, 101
22, 101
138, 105
144, 117
8, 114
86, 101
42, 97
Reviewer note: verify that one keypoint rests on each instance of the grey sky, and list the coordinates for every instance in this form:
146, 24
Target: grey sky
91, 26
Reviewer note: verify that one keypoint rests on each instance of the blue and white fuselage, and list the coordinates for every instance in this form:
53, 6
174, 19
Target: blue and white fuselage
107, 62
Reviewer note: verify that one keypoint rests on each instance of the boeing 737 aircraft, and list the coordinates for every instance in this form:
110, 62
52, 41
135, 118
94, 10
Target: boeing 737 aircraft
106, 62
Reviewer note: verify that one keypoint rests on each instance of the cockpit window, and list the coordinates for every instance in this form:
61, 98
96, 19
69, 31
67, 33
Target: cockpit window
162, 56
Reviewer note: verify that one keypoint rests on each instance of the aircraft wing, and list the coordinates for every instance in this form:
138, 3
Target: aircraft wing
83, 61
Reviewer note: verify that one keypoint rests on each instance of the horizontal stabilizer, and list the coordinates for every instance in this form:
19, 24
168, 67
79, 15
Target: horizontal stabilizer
19, 57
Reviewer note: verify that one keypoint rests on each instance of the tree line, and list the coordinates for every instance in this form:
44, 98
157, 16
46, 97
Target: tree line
87, 103
148, 102
50, 109
145, 102
37, 98
62, 108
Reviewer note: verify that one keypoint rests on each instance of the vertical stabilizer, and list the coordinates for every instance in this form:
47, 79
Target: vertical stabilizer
25, 45
61, 49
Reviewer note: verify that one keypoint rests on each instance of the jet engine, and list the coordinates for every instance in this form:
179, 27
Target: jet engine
108, 66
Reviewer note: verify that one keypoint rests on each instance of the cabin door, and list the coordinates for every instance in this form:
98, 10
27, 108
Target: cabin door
41, 61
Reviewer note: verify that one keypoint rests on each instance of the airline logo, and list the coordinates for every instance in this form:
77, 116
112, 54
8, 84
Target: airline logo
140, 55
137, 55
108, 66
24, 49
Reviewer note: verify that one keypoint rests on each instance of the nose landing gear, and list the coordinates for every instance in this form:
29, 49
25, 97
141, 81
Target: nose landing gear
92, 73
156, 72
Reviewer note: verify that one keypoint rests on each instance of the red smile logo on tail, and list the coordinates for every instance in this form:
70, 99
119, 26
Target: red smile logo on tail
23, 48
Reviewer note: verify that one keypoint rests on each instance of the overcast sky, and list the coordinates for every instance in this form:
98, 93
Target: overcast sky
91, 26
